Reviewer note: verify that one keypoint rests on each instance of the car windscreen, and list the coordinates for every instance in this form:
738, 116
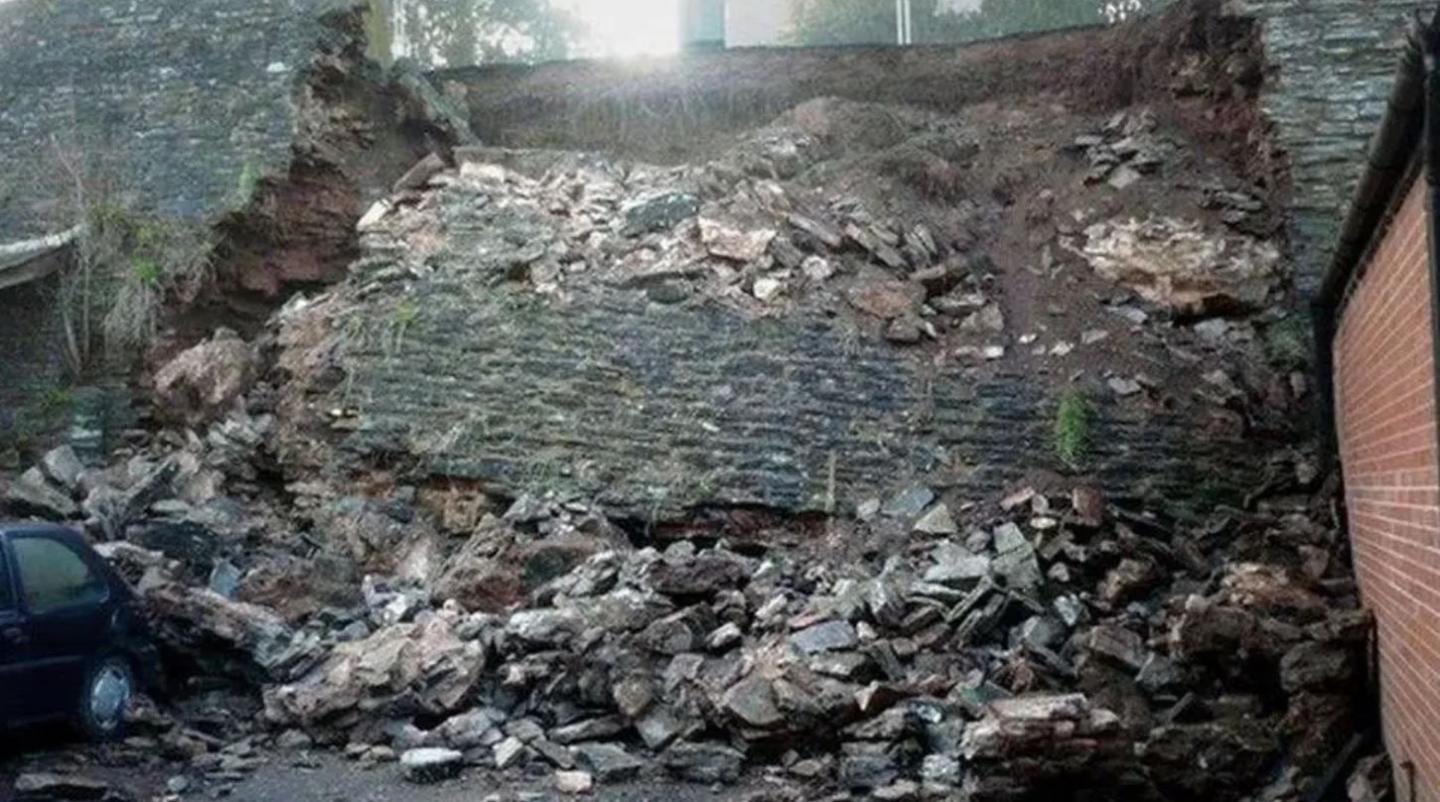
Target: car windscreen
53, 575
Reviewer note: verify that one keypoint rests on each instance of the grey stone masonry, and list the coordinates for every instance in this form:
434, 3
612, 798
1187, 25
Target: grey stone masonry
32, 357
1333, 64
188, 100
652, 410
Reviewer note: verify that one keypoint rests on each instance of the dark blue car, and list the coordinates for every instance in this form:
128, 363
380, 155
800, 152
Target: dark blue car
72, 642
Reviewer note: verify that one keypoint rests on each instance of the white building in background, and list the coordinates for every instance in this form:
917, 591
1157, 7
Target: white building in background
702, 23
764, 23
756, 23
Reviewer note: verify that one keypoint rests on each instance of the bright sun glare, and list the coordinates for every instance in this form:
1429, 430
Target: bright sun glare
618, 28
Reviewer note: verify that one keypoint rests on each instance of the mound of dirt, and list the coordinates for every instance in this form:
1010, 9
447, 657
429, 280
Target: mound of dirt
922, 290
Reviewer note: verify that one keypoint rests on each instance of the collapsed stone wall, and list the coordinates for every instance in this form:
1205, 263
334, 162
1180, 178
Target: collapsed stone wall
862, 311
671, 409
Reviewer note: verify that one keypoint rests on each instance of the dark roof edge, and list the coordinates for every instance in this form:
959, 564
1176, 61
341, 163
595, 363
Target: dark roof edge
1389, 163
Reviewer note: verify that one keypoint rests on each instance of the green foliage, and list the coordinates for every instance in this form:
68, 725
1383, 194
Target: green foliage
1287, 344
247, 184
54, 403
406, 313
126, 260
461, 33
1072, 429
146, 272
402, 317
47, 411
138, 260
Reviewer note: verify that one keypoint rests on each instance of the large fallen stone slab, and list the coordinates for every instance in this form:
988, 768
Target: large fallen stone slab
1180, 265
668, 408
52, 787
421, 666
31, 494
216, 633
206, 379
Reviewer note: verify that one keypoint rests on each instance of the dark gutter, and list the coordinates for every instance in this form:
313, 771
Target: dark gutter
1432, 180
1390, 163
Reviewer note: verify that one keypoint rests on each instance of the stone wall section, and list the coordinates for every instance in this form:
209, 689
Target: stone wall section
1332, 65
191, 101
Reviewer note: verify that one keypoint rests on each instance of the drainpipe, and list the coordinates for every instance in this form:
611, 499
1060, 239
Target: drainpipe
1431, 39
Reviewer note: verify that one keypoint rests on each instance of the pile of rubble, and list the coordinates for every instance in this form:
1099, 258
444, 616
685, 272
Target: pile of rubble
303, 529
761, 228
744, 228
1038, 643
1047, 649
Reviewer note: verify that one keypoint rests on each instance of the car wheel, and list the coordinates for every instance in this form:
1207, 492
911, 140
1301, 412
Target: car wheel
105, 699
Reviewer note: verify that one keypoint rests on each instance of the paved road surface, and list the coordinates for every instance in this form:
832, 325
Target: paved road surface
324, 777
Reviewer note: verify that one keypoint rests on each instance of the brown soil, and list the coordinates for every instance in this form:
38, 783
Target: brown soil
358, 132
1208, 65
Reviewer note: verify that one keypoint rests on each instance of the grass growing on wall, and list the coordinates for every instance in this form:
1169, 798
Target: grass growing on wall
152, 258
126, 261
1288, 344
1072, 433
48, 409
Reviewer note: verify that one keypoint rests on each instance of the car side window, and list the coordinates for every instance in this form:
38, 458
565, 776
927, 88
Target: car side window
53, 575
7, 594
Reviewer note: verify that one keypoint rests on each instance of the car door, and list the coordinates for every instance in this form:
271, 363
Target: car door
14, 644
64, 601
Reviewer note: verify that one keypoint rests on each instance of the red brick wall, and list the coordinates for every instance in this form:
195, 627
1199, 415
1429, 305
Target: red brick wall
1385, 413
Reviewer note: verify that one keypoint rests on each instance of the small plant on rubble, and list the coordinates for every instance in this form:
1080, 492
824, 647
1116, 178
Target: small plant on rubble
247, 184
402, 317
1287, 344
1072, 429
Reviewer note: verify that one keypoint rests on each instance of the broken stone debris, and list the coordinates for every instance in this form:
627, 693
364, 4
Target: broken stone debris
1125, 150
1179, 265
1060, 641
601, 251
1035, 649
53, 787
206, 379
431, 765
